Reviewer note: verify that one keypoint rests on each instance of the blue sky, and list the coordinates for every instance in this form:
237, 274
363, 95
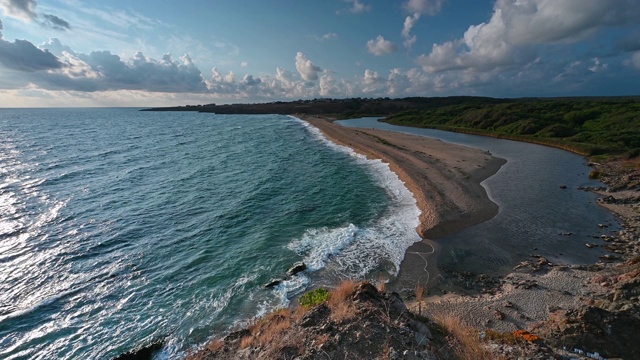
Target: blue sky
148, 53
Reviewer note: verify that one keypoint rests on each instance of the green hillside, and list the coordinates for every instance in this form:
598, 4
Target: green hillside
588, 126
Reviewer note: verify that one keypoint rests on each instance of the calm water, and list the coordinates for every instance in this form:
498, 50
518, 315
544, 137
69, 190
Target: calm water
534, 210
121, 227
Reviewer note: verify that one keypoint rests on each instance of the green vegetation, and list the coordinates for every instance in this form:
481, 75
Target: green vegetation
588, 126
314, 297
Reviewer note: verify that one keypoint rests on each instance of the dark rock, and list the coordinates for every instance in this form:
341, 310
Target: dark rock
563, 187
612, 334
315, 316
296, 268
272, 283
143, 353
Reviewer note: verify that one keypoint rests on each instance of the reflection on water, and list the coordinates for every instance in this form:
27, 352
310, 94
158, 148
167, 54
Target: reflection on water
535, 216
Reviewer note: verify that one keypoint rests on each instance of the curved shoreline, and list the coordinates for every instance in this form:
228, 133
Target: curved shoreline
444, 178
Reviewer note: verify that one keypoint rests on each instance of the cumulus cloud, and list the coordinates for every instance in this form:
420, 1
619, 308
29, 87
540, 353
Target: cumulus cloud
250, 81
427, 7
516, 27
23, 56
55, 47
370, 77
21, 9
26, 10
635, 60
372, 82
379, 46
244, 64
328, 85
357, 7
409, 23
307, 70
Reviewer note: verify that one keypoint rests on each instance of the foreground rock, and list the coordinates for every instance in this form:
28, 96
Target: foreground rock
358, 322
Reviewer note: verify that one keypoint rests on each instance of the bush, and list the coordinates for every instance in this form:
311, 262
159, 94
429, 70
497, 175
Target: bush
314, 297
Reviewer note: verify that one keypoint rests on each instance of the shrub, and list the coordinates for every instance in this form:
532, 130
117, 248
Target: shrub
314, 297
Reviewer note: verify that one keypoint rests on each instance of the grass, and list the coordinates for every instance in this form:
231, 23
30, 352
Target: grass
314, 298
464, 340
421, 291
341, 308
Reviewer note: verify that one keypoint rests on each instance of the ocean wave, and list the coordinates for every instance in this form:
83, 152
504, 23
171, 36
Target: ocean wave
354, 251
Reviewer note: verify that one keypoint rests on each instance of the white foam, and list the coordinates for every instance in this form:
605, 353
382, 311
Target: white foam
320, 244
355, 252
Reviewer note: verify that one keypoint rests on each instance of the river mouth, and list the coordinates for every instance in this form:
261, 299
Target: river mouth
542, 212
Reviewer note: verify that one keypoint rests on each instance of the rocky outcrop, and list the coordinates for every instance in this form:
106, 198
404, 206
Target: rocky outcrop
364, 324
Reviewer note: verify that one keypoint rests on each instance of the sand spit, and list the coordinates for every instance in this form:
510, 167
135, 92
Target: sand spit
444, 178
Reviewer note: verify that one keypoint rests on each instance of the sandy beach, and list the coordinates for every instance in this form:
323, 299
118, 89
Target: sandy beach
444, 179
537, 295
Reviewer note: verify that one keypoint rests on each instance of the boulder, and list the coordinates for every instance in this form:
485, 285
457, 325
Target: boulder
296, 268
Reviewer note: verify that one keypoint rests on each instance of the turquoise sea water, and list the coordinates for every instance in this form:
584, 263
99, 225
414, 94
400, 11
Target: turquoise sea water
120, 227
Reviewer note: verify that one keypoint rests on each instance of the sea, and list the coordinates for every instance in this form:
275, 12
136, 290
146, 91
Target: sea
542, 211
121, 228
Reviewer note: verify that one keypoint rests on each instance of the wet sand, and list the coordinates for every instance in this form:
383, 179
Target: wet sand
444, 179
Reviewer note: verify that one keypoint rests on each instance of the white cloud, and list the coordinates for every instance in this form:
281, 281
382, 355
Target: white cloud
328, 36
372, 82
517, 27
307, 70
427, 7
409, 23
244, 64
20, 9
379, 46
597, 65
328, 86
250, 81
55, 47
357, 7
218, 77
370, 77
26, 10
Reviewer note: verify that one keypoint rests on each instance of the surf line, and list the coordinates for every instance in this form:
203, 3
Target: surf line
426, 263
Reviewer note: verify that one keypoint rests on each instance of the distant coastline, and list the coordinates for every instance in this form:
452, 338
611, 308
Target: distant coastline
583, 125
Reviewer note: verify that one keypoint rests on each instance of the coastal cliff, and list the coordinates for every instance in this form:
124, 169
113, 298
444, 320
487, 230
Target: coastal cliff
587, 311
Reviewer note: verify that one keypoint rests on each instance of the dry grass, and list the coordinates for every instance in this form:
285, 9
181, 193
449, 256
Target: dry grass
246, 342
381, 284
215, 345
341, 308
464, 341
342, 293
272, 326
343, 312
421, 291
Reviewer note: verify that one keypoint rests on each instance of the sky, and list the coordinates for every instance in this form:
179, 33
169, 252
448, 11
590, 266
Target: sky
164, 53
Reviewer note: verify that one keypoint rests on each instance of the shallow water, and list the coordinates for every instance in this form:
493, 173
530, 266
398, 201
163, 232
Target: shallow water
534, 210
122, 227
